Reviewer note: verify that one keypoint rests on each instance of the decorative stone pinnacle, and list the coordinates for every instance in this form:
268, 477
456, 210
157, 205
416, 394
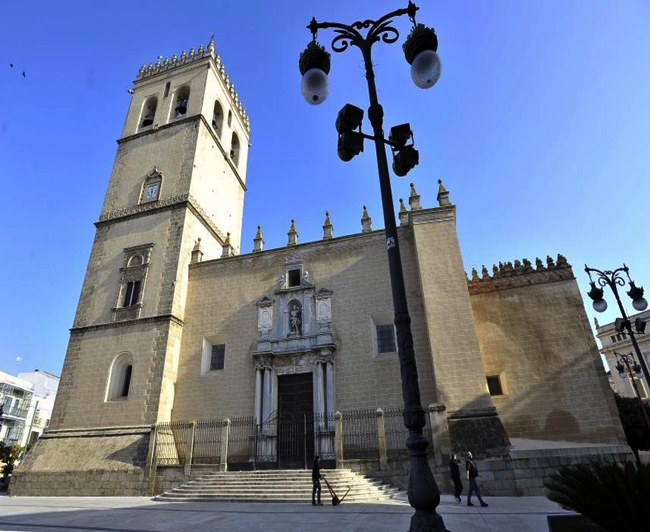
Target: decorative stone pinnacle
227, 242
443, 195
403, 213
327, 227
293, 234
258, 241
366, 221
414, 199
402, 207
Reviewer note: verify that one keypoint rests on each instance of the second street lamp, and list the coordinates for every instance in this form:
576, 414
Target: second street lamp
420, 50
632, 366
614, 279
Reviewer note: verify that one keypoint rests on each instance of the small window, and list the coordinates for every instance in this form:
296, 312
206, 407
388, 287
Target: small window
182, 102
126, 381
234, 149
494, 385
293, 278
131, 293
119, 383
386, 339
217, 357
217, 118
167, 86
229, 118
149, 111
613, 339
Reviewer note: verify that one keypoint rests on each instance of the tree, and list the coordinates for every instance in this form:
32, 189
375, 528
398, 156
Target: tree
635, 427
613, 496
8, 456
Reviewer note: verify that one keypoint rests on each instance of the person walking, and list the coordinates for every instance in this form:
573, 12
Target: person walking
472, 475
315, 479
454, 470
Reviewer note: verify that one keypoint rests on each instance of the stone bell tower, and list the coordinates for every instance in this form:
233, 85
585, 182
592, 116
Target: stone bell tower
176, 193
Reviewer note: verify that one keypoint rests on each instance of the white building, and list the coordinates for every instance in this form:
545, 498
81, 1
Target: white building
27, 402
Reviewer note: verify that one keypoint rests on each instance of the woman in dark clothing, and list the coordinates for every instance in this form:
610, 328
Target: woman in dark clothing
455, 476
315, 478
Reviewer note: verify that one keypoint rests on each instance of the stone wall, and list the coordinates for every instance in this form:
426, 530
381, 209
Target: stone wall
107, 462
535, 337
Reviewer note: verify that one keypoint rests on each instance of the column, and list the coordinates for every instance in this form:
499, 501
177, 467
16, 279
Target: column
319, 389
266, 402
329, 380
258, 395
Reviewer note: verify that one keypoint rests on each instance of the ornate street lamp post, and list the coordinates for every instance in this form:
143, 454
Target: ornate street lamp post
632, 369
420, 51
614, 279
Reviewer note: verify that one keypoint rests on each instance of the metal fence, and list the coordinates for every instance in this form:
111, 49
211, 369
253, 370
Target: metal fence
243, 443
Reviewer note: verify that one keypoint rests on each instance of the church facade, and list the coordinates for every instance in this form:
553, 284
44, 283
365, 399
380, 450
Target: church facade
175, 324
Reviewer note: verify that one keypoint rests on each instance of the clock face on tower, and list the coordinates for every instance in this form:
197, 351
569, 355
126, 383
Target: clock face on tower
152, 192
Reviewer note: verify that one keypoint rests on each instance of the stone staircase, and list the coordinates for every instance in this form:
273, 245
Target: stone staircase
279, 486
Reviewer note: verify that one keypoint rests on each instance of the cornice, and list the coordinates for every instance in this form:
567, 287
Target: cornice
434, 214
127, 323
168, 203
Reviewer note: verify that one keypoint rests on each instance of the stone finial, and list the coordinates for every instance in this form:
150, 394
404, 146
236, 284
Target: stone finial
182, 59
201, 51
150, 68
292, 234
550, 262
485, 275
443, 195
191, 56
403, 213
562, 262
227, 247
166, 63
258, 241
142, 71
197, 254
327, 227
414, 199
366, 221
528, 267
495, 272
158, 63
518, 267
475, 276
174, 59
211, 46
539, 264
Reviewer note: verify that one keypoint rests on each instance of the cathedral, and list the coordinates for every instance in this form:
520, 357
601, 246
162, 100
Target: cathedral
175, 324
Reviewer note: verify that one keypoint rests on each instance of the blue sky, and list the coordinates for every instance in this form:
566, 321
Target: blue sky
538, 127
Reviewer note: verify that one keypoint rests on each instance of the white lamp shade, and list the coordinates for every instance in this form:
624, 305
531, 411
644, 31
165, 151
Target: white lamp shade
315, 86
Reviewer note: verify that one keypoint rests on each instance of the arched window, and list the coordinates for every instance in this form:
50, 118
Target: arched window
119, 382
149, 111
229, 118
182, 101
217, 118
234, 149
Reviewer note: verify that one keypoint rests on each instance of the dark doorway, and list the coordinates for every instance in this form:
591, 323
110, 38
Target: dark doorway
296, 425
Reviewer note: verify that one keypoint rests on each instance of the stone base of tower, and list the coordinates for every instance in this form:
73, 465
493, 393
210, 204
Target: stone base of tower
479, 431
93, 462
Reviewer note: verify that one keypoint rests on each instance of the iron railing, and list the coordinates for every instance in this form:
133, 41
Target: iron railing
244, 443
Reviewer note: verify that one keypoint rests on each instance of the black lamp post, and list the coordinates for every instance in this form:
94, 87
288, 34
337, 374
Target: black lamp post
614, 279
632, 366
420, 51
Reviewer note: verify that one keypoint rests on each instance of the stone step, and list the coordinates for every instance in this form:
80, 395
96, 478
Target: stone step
278, 486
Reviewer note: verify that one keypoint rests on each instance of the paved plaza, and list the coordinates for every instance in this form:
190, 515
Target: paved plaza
122, 514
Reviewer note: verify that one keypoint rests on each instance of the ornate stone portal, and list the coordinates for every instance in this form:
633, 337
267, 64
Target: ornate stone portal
295, 337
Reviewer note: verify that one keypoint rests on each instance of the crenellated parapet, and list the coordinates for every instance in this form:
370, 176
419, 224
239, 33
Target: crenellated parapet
522, 273
167, 64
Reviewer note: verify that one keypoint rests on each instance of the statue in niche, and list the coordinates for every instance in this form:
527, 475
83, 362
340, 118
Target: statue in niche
295, 321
